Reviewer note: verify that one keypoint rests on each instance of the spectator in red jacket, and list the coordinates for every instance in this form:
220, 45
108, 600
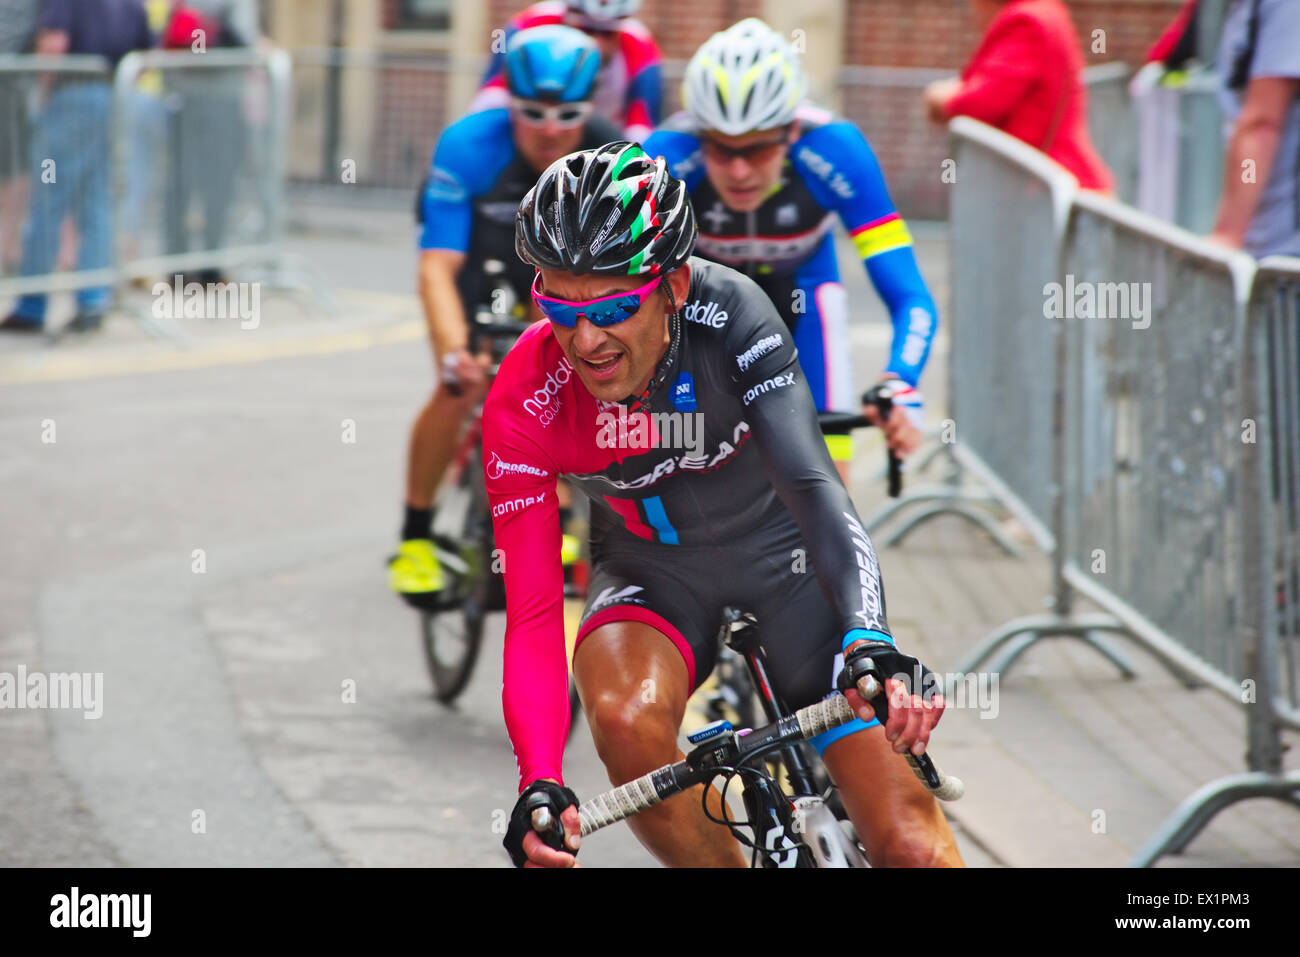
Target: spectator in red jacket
1026, 79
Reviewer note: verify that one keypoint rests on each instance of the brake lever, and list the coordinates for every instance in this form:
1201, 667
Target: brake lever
882, 398
864, 676
546, 824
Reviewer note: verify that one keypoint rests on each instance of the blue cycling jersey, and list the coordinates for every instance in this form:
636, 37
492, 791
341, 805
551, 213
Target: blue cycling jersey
475, 183
786, 244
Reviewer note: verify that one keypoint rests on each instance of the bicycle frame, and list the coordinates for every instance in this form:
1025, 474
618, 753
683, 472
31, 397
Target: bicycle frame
801, 823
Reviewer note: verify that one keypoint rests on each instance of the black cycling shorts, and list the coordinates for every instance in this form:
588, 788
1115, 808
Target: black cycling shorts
681, 591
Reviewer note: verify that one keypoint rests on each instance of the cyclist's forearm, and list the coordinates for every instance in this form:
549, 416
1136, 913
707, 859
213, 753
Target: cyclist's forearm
526, 527
898, 281
535, 697
443, 311
794, 454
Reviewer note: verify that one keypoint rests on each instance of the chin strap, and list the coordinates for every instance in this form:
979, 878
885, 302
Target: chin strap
636, 402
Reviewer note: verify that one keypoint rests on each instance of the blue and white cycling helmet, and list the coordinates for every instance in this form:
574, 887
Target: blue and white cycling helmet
554, 63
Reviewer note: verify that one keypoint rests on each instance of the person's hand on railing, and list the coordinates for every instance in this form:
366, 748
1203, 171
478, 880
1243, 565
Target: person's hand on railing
937, 95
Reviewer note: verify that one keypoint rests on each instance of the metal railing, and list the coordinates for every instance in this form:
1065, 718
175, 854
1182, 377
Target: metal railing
201, 148
365, 123
1273, 378
1008, 190
1112, 124
1173, 493
886, 103
55, 127
1180, 156
173, 164
1153, 489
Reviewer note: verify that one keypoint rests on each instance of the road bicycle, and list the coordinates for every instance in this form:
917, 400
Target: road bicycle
732, 694
798, 823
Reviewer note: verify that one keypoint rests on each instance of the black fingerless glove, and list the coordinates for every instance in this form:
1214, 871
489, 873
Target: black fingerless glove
882, 660
538, 794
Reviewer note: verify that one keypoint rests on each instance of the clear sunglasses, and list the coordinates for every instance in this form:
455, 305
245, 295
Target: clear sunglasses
563, 115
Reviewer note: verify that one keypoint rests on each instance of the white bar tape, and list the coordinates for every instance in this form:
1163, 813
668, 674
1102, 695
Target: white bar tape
949, 789
824, 715
623, 801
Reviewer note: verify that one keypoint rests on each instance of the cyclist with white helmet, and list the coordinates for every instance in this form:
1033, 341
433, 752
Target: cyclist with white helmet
628, 87
482, 166
769, 173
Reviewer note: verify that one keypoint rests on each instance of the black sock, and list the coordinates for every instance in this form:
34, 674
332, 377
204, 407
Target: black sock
566, 516
417, 523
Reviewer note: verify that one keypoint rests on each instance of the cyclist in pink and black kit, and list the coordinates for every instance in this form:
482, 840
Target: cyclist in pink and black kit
667, 390
628, 87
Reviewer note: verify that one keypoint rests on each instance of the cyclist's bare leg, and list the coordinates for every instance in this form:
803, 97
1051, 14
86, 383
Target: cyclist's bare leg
898, 821
434, 438
634, 687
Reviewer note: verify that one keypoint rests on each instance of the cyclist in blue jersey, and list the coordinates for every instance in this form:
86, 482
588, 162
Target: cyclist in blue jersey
769, 173
481, 168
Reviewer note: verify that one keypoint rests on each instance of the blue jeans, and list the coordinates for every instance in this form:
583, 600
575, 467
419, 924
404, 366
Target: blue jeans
72, 131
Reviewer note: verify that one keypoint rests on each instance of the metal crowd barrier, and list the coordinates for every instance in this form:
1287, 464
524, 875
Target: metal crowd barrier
1171, 494
1113, 125
1009, 207
201, 157
886, 103
1266, 463
54, 149
1274, 344
1153, 484
1179, 159
365, 123
172, 165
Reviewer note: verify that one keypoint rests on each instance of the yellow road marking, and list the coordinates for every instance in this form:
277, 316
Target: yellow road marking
61, 368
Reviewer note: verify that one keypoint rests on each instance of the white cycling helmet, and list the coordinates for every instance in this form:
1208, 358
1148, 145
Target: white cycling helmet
743, 79
604, 10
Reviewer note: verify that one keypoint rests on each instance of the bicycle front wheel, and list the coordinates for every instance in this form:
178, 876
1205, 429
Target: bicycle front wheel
453, 635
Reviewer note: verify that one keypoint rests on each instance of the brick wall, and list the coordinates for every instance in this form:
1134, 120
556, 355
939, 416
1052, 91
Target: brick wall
942, 34
926, 34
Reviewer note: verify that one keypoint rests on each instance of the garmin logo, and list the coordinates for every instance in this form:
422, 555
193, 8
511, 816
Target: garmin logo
706, 314
540, 405
767, 385
761, 348
496, 468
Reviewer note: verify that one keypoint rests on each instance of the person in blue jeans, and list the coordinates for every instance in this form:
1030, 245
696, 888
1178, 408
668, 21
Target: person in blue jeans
70, 156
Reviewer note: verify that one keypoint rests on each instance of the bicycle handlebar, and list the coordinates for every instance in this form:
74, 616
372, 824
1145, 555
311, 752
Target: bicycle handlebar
733, 749
479, 329
842, 423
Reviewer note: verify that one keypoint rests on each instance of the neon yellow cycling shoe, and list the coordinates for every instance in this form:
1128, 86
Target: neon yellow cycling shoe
570, 549
415, 572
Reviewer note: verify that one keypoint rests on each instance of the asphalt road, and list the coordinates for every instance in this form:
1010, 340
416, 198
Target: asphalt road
204, 537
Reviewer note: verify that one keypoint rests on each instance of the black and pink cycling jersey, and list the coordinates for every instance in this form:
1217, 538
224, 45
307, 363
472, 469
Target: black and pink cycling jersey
726, 457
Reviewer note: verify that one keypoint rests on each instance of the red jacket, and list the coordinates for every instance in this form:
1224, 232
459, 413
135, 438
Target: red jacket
1026, 79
